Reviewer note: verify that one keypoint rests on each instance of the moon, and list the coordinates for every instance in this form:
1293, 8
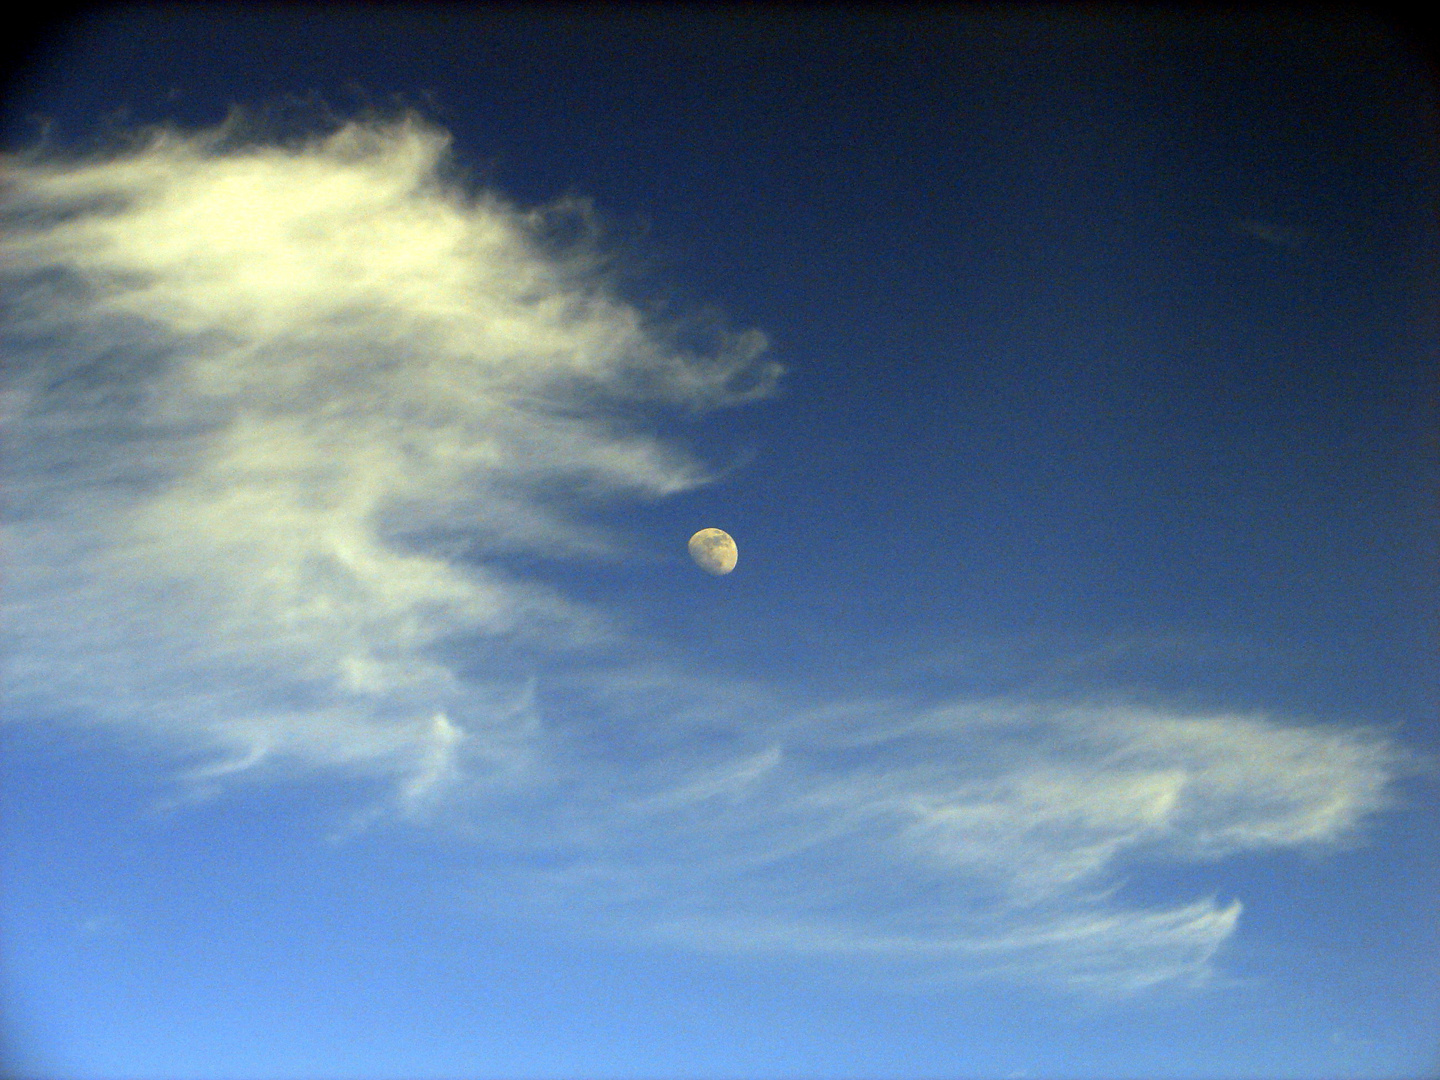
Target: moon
714, 551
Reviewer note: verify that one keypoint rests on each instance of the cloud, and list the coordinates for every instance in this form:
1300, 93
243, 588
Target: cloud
1271, 232
275, 409
967, 839
275, 414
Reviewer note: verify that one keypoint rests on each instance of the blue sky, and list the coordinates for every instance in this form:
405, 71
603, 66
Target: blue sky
1066, 381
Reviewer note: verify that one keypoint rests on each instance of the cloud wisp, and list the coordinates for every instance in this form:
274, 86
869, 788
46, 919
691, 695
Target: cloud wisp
275, 413
270, 412
965, 839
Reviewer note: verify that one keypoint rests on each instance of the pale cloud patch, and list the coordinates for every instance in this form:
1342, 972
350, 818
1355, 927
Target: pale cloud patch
1271, 232
964, 840
271, 409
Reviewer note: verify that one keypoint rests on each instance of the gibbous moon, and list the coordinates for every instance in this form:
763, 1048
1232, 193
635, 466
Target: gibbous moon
714, 551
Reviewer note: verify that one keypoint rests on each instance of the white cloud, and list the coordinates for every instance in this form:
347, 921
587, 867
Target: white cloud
972, 838
260, 389
272, 413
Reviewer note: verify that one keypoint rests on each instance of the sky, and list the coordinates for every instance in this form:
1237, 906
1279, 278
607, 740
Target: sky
1065, 377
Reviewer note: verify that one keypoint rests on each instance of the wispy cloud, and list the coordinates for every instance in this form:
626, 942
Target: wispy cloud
1271, 232
271, 411
273, 416
970, 838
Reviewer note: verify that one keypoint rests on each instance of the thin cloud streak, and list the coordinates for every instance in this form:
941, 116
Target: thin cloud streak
273, 416
972, 839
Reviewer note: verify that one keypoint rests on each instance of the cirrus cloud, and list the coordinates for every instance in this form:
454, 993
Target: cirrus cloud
264, 393
275, 413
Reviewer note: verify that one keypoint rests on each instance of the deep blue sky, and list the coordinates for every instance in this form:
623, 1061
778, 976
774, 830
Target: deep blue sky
1070, 711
